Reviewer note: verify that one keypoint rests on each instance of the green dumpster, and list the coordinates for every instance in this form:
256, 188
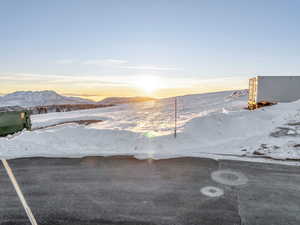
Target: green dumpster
14, 119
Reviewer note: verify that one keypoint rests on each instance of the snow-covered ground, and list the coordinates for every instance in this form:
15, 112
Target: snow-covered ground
155, 117
211, 125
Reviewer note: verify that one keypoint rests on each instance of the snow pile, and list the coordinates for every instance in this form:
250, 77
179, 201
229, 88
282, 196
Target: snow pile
240, 93
39, 98
210, 125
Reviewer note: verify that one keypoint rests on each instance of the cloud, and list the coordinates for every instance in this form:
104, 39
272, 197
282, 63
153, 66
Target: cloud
55, 79
120, 64
153, 68
65, 61
105, 62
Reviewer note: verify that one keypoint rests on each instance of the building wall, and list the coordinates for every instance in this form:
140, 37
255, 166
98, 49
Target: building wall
278, 89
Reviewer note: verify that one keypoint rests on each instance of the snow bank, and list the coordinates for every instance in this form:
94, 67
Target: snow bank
211, 125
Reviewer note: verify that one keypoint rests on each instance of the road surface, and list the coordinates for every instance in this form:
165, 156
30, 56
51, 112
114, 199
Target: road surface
123, 191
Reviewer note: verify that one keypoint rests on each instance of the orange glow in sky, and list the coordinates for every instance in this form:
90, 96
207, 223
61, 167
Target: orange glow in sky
97, 88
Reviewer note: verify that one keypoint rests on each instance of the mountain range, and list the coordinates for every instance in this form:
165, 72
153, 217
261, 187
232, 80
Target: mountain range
45, 98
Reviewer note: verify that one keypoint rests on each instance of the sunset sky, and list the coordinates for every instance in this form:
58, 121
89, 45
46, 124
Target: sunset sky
159, 48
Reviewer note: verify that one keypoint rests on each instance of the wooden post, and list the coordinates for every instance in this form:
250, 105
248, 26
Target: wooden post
175, 119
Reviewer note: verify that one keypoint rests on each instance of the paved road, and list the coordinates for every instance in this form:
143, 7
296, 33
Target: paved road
123, 191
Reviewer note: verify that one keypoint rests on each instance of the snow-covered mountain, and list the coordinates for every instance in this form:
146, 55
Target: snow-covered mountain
43, 98
39, 98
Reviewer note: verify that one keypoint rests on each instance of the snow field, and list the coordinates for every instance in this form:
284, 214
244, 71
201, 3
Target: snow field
210, 125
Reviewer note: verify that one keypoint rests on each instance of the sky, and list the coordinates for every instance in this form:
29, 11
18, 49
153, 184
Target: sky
98, 48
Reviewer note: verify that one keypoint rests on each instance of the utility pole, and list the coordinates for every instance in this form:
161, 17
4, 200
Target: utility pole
175, 119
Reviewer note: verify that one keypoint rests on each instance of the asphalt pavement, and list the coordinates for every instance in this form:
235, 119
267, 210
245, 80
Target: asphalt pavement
127, 191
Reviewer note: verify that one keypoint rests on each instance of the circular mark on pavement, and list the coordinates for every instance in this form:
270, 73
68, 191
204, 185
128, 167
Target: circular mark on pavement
229, 177
211, 191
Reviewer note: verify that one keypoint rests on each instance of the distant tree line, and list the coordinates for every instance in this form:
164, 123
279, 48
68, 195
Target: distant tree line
65, 108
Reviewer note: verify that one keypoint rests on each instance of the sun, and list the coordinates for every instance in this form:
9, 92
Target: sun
148, 84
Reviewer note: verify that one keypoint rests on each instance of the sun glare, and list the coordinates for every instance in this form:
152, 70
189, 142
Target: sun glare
148, 84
